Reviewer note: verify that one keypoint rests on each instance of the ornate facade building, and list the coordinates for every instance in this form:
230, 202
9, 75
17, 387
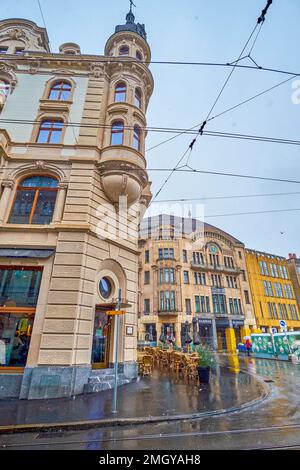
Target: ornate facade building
190, 270
272, 290
71, 158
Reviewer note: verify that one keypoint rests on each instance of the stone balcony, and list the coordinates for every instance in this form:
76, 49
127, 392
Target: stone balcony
215, 268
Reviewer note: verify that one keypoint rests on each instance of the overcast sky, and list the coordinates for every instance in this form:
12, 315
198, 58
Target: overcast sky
208, 31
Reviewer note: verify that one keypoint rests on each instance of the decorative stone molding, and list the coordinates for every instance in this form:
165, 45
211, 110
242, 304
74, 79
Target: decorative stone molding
122, 179
35, 167
7, 73
26, 33
7, 184
97, 69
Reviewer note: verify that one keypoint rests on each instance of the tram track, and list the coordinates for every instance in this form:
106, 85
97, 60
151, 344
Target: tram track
157, 436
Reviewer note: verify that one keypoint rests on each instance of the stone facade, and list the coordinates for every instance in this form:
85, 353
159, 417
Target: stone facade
192, 270
89, 237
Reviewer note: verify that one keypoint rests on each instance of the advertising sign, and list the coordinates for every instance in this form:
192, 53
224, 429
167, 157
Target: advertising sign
262, 345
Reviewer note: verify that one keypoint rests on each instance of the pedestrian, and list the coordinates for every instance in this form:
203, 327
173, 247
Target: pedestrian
248, 346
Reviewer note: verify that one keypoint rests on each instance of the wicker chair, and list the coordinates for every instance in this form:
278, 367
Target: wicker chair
147, 365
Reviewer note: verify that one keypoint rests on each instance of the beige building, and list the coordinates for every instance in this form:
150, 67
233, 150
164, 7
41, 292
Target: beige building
72, 156
190, 270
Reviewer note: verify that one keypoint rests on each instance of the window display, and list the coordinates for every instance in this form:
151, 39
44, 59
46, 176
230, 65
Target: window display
15, 335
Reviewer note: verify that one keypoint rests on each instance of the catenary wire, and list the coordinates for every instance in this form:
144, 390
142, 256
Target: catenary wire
237, 196
261, 19
231, 135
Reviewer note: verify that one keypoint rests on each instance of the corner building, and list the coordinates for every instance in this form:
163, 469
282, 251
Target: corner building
71, 147
272, 290
192, 270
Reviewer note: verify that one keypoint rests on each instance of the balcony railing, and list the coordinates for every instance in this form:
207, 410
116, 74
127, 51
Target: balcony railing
214, 267
167, 312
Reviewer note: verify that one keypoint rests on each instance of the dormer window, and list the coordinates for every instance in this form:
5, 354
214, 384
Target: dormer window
139, 55
19, 50
120, 92
3, 50
124, 51
60, 91
4, 89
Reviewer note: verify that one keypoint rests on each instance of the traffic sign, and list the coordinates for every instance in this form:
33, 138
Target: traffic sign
274, 330
282, 323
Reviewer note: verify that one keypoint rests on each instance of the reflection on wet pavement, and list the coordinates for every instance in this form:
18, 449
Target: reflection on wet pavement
163, 394
273, 423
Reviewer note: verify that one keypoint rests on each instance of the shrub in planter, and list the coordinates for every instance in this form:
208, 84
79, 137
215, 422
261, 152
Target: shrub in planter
206, 362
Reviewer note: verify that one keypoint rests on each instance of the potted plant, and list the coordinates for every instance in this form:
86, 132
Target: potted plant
206, 362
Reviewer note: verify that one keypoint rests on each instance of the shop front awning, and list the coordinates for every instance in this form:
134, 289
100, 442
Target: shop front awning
25, 253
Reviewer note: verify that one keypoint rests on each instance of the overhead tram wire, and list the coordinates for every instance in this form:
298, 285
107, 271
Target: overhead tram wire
234, 214
260, 19
275, 140
237, 196
224, 112
43, 19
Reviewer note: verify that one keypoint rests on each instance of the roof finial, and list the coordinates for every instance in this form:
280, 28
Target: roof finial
131, 3
130, 16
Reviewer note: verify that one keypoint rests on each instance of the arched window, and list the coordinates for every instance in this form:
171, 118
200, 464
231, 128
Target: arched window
35, 201
139, 55
117, 133
60, 91
137, 138
138, 98
120, 92
50, 132
4, 88
124, 50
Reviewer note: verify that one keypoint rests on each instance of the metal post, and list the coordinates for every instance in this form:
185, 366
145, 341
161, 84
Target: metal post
117, 324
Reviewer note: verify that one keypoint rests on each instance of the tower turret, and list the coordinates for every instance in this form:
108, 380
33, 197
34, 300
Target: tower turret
123, 164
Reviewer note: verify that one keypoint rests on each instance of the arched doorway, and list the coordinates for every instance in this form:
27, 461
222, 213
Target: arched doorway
102, 337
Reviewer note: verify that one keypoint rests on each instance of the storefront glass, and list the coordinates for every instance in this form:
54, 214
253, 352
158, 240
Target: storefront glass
100, 351
15, 335
19, 290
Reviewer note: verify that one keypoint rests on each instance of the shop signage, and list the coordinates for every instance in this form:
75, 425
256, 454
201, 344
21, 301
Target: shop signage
115, 312
202, 321
237, 323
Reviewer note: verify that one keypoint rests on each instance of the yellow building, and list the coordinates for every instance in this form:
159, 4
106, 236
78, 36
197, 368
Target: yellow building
272, 291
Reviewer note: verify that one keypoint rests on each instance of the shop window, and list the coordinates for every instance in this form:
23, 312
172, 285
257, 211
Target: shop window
120, 92
19, 290
35, 201
50, 132
60, 91
117, 133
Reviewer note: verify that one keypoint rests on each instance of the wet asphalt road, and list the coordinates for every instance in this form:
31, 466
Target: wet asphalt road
274, 423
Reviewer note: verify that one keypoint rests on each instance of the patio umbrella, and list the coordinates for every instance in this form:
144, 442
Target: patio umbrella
196, 337
162, 337
187, 336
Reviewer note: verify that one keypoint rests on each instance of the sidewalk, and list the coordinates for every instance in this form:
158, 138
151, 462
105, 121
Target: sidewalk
162, 397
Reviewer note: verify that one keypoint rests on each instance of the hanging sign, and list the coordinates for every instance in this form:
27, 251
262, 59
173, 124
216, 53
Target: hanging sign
115, 312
